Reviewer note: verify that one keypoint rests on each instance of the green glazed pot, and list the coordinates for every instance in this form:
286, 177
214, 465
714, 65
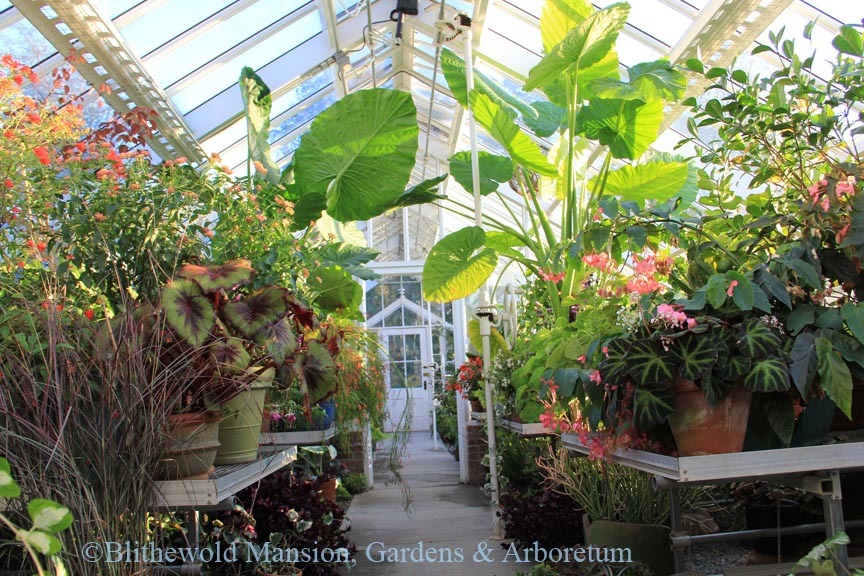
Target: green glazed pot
240, 430
648, 543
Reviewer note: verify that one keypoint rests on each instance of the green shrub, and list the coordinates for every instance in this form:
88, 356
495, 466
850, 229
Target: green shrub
354, 483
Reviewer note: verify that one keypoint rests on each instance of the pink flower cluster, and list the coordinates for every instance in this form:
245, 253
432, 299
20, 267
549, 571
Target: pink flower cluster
601, 261
843, 189
673, 316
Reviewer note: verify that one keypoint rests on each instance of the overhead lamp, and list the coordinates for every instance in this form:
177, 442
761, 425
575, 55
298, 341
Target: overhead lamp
403, 8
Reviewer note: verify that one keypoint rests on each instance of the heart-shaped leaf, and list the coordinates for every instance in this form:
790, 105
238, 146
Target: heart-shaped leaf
494, 171
628, 127
188, 311
657, 80
458, 265
559, 17
360, 153
422, 193
262, 308
657, 181
584, 46
48, 515
214, 278
334, 289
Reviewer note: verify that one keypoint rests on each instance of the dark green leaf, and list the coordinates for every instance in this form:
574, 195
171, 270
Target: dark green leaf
334, 289
803, 366
742, 292
566, 379
716, 290
834, 375
494, 171
696, 355
188, 311
774, 287
805, 272
780, 414
802, 316
615, 368
853, 314
768, 375
649, 364
422, 193
651, 407
262, 308
756, 340
214, 278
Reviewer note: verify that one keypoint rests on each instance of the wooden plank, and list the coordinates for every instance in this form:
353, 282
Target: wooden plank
224, 482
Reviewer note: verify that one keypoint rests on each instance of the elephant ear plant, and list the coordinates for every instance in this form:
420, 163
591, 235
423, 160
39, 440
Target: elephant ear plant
239, 333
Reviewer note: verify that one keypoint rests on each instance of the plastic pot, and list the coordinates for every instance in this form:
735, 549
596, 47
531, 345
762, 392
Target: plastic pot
240, 430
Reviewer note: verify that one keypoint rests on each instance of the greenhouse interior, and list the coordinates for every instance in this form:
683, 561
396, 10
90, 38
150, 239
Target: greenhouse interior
398, 287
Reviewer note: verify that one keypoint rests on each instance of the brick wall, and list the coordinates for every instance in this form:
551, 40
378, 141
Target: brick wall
477, 450
351, 454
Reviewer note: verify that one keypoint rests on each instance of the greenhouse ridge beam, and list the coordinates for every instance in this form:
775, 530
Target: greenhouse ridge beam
722, 31
115, 66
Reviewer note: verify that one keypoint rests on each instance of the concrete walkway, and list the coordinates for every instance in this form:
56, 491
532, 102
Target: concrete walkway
448, 519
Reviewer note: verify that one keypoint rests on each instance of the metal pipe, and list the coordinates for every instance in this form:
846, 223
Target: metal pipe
484, 320
684, 541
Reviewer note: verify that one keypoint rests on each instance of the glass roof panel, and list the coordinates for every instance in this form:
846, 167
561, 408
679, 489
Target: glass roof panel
227, 72
844, 12
658, 20
114, 8
171, 65
24, 43
4, 4
162, 23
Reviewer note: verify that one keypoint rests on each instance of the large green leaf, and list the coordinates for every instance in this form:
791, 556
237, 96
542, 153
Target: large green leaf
316, 372
583, 47
649, 364
497, 341
559, 17
658, 181
756, 340
696, 355
494, 171
262, 308
230, 356
214, 278
615, 369
257, 103
458, 265
504, 130
360, 153
780, 414
308, 208
542, 117
651, 407
280, 340
334, 289
834, 375
504, 244
802, 316
628, 127
647, 81
188, 311
768, 375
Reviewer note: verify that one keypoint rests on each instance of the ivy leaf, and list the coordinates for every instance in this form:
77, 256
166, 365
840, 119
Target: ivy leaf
834, 375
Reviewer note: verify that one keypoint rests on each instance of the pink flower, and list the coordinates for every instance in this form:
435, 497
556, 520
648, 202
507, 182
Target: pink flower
645, 265
599, 261
846, 187
841, 234
643, 285
552, 276
731, 290
691, 323
547, 418
581, 359
595, 377
825, 204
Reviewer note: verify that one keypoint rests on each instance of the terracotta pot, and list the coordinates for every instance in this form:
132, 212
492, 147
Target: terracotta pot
700, 428
328, 489
191, 446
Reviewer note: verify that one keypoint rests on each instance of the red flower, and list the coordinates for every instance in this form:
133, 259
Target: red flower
42, 154
41, 246
8, 182
89, 314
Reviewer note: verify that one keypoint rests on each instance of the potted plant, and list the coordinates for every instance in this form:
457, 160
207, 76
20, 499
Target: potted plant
794, 148
247, 341
313, 456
